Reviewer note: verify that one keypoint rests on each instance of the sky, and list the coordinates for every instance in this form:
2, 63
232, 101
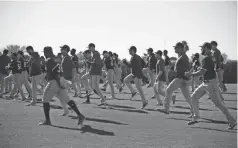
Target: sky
115, 26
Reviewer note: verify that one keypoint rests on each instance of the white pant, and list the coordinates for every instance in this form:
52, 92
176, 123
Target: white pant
210, 87
174, 85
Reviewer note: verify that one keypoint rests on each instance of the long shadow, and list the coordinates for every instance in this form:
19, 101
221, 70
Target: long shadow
230, 100
207, 120
122, 99
215, 121
176, 112
88, 129
121, 106
233, 108
213, 129
230, 93
125, 110
100, 120
183, 107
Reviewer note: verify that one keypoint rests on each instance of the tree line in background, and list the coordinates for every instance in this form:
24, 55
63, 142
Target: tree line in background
230, 66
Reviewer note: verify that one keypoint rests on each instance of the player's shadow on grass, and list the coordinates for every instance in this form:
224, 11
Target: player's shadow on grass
125, 110
219, 130
230, 100
233, 108
121, 106
88, 129
175, 112
202, 121
100, 120
230, 93
183, 107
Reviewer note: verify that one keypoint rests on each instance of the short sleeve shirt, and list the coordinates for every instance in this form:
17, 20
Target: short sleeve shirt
160, 66
182, 66
216, 57
208, 65
166, 61
96, 67
108, 63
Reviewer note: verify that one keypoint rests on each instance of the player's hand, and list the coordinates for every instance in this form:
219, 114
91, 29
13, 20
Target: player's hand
188, 74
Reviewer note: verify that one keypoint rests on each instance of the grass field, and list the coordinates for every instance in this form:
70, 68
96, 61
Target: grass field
122, 124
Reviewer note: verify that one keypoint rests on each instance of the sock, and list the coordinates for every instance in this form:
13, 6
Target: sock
88, 99
46, 107
95, 92
74, 107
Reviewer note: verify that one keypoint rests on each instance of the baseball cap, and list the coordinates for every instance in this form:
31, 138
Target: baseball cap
48, 49
104, 52
91, 45
29, 48
179, 44
73, 50
159, 52
214, 43
133, 48
150, 49
65, 47
206, 44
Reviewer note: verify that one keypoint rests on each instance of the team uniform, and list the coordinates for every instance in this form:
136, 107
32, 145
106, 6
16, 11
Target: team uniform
15, 68
167, 68
4, 61
54, 88
136, 64
210, 86
160, 80
195, 80
150, 70
77, 74
35, 74
180, 81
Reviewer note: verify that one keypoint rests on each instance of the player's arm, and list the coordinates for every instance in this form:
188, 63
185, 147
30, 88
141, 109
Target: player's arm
217, 57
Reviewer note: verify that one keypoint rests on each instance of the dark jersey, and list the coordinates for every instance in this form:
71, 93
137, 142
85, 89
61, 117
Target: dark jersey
23, 64
43, 68
196, 65
4, 61
108, 61
182, 66
209, 66
160, 66
136, 66
50, 64
152, 62
166, 61
15, 67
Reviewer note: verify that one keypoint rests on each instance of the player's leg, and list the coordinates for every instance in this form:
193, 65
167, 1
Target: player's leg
197, 94
64, 97
110, 73
95, 85
138, 83
74, 81
157, 93
174, 85
19, 86
26, 83
215, 97
49, 92
145, 72
167, 69
127, 81
85, 82
186, 93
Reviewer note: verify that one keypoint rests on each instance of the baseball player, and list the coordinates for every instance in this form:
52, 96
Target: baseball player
218, 65
35, 74
4, 61
136, 64
195, 66
180, 81
167, 65
150, 69
209, 85
54, 88
160, 77
96, 72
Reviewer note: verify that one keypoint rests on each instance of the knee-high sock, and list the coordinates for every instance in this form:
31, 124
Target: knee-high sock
72, 104
46, 107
